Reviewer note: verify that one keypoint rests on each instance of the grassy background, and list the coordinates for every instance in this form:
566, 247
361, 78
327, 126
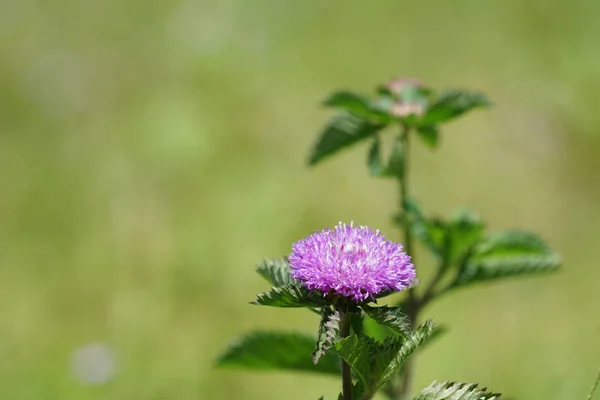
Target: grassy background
152, 152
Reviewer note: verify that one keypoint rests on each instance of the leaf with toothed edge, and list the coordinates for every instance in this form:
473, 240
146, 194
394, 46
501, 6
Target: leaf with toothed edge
328, 330
290, 296
413, 342
507, 254
373, 362
390, 317
276, 351
276, 272
455, 391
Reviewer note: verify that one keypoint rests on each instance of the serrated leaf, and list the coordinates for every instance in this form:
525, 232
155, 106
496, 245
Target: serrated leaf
374, 362
489, 269
507, 254
276, 272
429, 134
342, 131
289, 296
357, 105
356, 351
375, 330
411, 343
368, 360
455, 391
274, 351
328, 330
512, 242
390, 317
451, 104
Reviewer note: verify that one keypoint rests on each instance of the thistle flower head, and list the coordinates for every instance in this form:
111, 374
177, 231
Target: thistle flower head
354, 262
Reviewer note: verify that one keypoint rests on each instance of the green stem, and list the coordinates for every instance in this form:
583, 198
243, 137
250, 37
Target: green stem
346, 372
594, 387
402, 390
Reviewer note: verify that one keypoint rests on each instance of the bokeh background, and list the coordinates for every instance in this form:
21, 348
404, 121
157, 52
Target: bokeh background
152, 152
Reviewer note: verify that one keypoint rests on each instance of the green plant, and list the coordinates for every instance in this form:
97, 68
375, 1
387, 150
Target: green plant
376, 344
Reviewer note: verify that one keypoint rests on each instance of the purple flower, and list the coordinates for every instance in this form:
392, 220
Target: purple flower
354, 262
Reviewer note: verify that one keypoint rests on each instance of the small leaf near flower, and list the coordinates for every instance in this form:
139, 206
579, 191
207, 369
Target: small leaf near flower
451, 104
390, 317
290, 296
328, 330
342, 131
276, 272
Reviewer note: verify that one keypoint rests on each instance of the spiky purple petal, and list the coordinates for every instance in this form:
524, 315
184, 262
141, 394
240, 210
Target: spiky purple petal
354, 262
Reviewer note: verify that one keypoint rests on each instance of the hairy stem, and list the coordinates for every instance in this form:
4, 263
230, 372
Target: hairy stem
402, 389
346, 372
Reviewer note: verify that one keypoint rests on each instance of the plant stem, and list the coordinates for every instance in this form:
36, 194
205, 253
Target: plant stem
402, 390
594, 387
346, 372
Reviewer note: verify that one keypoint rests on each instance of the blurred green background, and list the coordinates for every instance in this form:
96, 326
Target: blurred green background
152, 152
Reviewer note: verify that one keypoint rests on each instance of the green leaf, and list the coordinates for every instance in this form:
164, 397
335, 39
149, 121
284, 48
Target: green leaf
356, 351
512, 242
375, 330
429, 134
507, 254
390, 317
328, 330
343, 131
276, 272
449, 240
290, 296
368, 360
357, 323
275, 351
484, 270
410, 344
463, 231
455, 391
451, 104
358, 105
374, 363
